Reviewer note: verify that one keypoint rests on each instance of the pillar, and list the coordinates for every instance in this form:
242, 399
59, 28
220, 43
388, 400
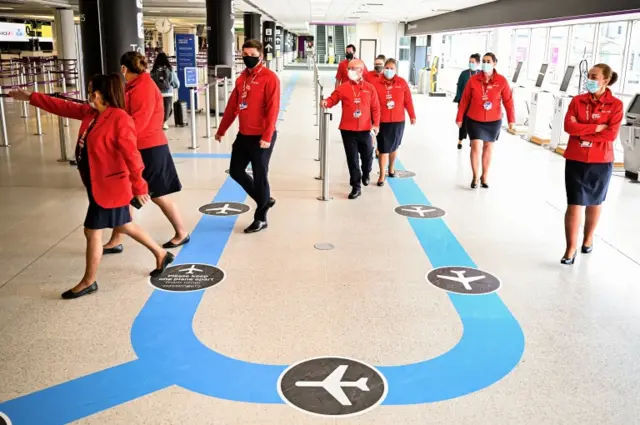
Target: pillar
220, 33
252, 26
169, 42
65, 40
268, 35
109, 29
285, 45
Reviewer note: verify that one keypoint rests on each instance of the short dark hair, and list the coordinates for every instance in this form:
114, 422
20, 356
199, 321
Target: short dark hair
391, 61
383, 57
110, 87
135, 62
351, 46
475, 56
492, 56
253, 44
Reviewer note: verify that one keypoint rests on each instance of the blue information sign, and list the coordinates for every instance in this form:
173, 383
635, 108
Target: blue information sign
191, 76
186, 58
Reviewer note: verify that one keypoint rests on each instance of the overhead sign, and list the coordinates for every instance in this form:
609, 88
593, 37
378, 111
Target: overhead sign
268, 39
10, 31
191, 76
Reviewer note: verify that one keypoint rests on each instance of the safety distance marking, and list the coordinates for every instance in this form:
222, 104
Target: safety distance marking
419, 211
464, 280
224, 209
188, 278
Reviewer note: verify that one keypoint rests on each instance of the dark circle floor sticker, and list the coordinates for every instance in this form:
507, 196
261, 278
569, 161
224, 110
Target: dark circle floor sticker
188, 278
332, 387
420, 211
402, 174
4, 419
464, 280
224, 209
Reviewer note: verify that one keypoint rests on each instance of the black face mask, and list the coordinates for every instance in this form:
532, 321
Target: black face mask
349, 56
250, 61
378, 68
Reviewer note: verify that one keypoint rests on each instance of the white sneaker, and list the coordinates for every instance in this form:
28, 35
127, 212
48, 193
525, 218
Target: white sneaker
165, 126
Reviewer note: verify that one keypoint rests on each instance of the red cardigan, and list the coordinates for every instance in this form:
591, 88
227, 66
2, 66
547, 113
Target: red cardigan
498, 92
144, 103
115, 162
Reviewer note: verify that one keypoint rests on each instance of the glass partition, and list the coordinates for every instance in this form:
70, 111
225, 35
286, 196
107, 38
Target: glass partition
611, 42
557, 53
537, 52
632, 79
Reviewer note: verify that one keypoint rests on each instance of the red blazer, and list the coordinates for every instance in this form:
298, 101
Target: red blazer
115, 162
397, 90
343, 71
589, 113
369, 106
262, 104
372, 76
498, 93
144, 103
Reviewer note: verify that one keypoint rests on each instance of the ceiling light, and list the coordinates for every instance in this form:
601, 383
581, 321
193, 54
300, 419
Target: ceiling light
6, 8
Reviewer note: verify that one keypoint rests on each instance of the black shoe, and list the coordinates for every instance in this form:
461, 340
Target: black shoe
355, 193
380, 183
392, 175
587, 249
459, 145
168, 259
483, 184
569, 261
70, 295
272, 203
474, 183
256, 226
170, 245
115, 250
366, 180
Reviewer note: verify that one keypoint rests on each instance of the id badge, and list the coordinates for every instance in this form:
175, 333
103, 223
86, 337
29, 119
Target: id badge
487, 106
243, 106
391, 104
356, 100
584, 144
357, 114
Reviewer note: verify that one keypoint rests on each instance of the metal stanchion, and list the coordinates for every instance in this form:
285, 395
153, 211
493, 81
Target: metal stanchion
63, 141
38, 118
64, 92
217, 102
192, 99
321, 133
49, 83
226, 91
324, 163
3, 117
318, 112
25, 107
207, 112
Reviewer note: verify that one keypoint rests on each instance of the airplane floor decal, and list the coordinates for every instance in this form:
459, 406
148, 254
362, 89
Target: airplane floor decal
169, 353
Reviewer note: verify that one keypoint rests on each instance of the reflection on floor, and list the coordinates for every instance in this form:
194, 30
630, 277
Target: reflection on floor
364, 309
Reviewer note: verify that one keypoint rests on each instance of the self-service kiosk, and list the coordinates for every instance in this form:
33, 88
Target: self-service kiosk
521, 106
630, 139
559, 138
541, 110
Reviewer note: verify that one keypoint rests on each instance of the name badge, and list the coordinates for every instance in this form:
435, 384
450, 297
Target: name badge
487, 106
391, 104
357, 114
243, 106
356, 100
584, 144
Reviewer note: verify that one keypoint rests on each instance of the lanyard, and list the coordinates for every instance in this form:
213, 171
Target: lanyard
245, 87
354, 91
389, 87
82, 139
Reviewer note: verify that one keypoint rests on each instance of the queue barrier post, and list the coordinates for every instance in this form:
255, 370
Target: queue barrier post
207, 98
64, 90
217, 102
25, 107
63, 140
38, 117
318, 113
192, 99
324, 162
5, 138
321, 132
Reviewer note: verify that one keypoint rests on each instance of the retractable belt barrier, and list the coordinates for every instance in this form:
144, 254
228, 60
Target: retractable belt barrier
192, 98
322, 122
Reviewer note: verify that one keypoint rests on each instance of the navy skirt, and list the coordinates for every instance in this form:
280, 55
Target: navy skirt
587, 183
390, 136
105, 218
160, 171
485, 131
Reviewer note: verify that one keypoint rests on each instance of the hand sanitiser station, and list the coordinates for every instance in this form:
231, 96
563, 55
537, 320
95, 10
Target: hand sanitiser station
559, 138
630, 138
541, 111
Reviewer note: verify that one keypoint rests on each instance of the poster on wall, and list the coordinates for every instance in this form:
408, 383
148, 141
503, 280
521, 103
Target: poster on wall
185, 58
11, 31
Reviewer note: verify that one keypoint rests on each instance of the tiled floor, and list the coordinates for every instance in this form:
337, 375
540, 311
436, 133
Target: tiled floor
284, 301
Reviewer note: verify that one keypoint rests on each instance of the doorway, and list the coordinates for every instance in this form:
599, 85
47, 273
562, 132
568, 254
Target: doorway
368, 51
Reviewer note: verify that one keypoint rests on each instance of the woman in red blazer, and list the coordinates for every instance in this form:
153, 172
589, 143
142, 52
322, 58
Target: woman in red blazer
482, 102
592, 122
395, 97
110, 167
144, 102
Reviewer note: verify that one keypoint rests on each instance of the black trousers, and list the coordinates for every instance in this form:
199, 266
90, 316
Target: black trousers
462, 131
246, 150
168, 107
358, 146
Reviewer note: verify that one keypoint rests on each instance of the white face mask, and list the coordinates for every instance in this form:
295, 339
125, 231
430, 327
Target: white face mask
353, 75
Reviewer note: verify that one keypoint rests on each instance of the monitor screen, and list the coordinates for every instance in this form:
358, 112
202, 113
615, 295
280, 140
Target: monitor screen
634, 108
517, 73
568, 74
542, 74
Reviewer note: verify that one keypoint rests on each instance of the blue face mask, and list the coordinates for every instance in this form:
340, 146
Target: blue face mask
487, 68
592, 86
389, 73
473, 66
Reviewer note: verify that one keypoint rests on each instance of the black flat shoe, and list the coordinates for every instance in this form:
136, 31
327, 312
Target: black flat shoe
474, 184
459, 145
392, 175
170, 245
366, 180
115, 250
70, 295
380, 184
587, 249
168, 259
483, 184
272, 203
355, 193
256, 226
568, 261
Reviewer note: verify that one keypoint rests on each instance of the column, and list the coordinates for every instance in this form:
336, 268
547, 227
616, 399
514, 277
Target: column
252, 26
268, 35
278, 48
109, 29
65, 40
169, 42
285, 46
221, 40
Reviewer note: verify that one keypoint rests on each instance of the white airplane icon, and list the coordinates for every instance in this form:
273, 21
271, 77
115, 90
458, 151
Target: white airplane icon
464, 280
224, 209
419, 210
190, 270
333, 384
